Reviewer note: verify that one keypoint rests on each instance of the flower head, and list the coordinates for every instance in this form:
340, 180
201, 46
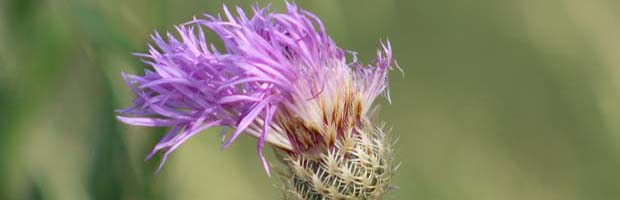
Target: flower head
280, 78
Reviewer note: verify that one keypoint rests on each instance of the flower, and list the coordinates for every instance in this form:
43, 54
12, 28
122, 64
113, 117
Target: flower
280, 79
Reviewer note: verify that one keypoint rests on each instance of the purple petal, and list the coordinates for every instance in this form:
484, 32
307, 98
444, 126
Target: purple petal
143, 121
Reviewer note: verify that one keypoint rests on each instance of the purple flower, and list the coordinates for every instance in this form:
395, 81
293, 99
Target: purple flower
280, 78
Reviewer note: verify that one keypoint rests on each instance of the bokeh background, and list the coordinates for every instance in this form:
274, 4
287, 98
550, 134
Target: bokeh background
499, 100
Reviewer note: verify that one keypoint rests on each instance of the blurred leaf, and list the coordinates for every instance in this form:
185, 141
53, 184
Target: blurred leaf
34, 190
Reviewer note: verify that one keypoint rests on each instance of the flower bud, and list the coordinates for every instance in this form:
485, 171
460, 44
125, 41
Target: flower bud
359, 166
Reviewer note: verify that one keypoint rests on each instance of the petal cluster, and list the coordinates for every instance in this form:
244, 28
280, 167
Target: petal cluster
274, 69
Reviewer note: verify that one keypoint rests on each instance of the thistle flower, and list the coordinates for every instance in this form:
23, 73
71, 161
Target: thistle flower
280, 79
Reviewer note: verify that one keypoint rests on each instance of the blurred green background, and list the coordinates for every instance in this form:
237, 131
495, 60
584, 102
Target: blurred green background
500, 100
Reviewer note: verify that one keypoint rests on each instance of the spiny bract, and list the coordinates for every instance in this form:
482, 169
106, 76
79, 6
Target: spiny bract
359, 166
